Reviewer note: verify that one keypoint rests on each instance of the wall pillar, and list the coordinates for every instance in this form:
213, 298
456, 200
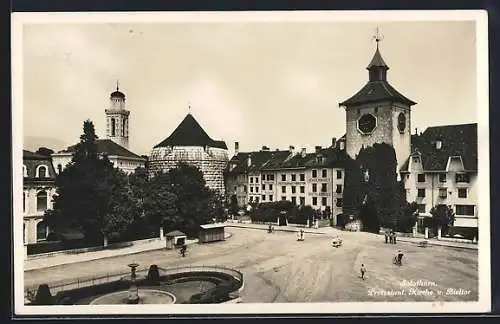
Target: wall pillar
426, 232
414, 229
439, 233
105, 241
162, 236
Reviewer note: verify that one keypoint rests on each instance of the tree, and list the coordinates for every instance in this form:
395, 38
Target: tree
443, 217
353, 193
378, 166
409, 217
368, 216
92, 196
44, 151
194, 199
233, 205
160, 203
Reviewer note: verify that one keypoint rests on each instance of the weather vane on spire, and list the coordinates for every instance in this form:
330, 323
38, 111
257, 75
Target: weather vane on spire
189, 107
378, 36
117, 85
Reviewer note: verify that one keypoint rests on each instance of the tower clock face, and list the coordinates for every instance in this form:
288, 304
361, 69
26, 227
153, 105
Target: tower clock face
367, 123
401, 122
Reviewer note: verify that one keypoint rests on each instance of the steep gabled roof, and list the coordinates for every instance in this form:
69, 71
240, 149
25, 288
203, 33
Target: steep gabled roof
376, 91
456, 140
107, 146
190, 133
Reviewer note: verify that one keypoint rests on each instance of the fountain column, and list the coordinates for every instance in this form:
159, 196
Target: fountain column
133, 292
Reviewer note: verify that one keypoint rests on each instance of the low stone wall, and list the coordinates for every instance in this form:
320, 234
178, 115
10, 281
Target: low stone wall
92, 249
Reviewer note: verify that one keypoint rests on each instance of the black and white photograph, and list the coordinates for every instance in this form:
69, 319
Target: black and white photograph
251, 162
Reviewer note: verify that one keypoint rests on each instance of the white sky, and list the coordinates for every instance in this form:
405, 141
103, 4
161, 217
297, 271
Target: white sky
274, 84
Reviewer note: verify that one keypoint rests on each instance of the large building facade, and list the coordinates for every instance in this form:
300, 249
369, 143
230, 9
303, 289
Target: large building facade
38, 190
190, 144
304, 178
115, 145
438, 166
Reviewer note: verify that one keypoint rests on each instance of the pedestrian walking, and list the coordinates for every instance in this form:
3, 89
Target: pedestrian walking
386, 237
394, 239
363, 271
390, 237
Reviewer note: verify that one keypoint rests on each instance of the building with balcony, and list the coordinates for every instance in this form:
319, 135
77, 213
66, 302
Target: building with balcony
38, 190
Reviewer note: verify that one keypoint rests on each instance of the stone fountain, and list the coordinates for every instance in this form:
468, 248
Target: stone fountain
133, 291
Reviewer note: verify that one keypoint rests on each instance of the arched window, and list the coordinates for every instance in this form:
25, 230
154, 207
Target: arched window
42, 171
25, 171
41, 201
113, 127
123, 127
24, 232
24, 202
41, 231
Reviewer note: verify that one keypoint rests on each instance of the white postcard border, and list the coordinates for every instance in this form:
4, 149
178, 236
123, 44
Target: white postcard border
479, 16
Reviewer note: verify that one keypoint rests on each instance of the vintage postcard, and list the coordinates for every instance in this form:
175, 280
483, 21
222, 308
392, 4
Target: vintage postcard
287, 162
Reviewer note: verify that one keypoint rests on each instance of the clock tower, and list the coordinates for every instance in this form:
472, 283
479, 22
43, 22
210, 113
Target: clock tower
378, 113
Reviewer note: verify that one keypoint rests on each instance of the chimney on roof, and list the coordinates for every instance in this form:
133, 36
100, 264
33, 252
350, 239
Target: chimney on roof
416, 131
439, 144
249, 160
303, 152
341, 145
317, 149
265, 149
236, 148
334, 142
291, 148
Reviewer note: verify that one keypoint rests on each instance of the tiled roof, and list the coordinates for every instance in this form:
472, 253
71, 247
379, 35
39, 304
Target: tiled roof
109, 147
456, 140
32, 160
33, 156
377, 60
376, 91
278, 160
190, 133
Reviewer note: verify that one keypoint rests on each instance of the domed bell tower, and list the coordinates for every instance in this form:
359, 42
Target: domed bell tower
117, 118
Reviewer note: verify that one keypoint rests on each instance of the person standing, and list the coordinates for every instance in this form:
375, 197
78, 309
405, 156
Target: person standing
394, 238
363, 271
386, 237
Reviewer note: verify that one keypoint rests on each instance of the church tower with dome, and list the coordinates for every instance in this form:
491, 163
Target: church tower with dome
117, 119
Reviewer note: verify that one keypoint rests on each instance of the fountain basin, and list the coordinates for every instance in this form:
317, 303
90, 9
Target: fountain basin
146, 296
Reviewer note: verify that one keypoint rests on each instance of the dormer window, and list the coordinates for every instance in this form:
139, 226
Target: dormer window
42, 171
439, 144
462, 177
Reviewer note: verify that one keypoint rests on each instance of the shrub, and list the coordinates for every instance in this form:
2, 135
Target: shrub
153, 273
43, 296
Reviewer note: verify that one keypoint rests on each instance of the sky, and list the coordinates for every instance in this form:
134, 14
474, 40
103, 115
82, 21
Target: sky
257, 83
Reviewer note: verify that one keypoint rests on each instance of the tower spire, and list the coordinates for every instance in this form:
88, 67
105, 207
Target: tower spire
378, 37
117, 85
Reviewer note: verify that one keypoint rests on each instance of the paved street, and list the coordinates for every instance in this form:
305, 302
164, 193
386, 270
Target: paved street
278, 268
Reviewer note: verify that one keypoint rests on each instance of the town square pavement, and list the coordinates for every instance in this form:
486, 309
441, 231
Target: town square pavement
278, 268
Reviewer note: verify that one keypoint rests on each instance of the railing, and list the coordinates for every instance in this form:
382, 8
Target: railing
81, 282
